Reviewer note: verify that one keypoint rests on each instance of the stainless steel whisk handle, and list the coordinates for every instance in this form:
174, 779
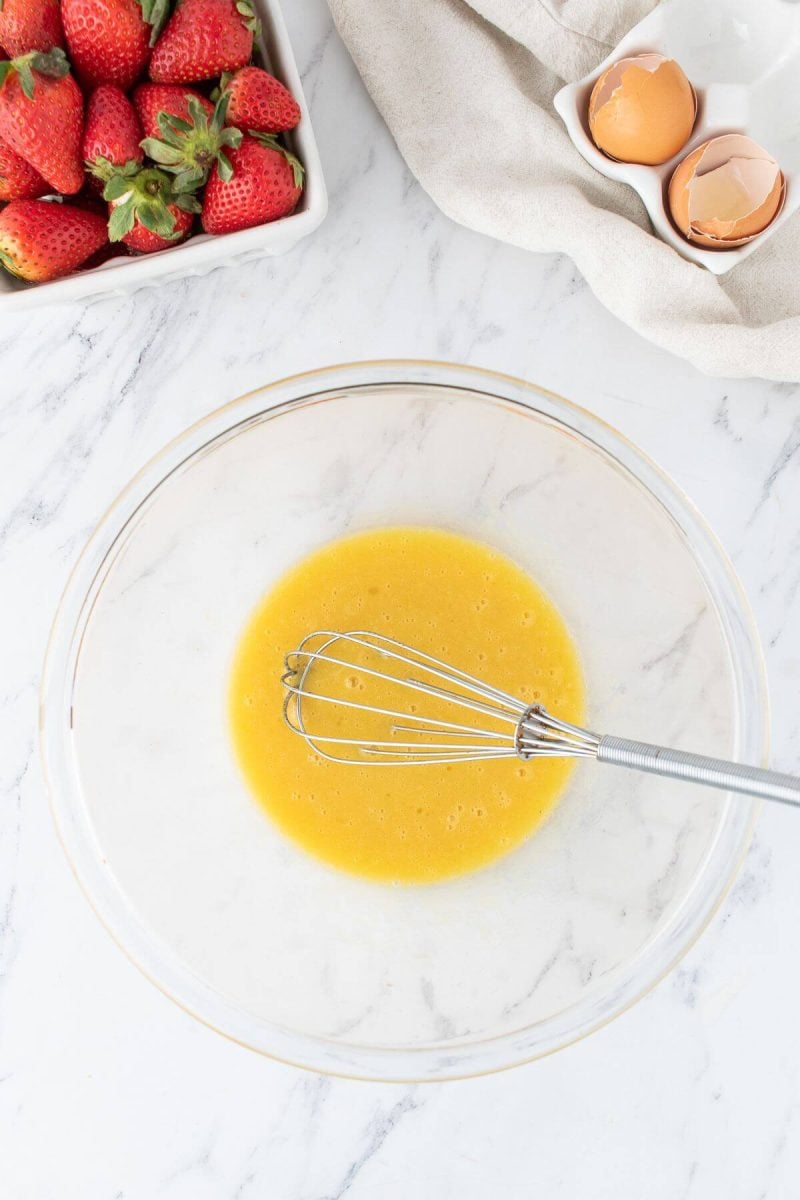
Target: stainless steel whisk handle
697, 768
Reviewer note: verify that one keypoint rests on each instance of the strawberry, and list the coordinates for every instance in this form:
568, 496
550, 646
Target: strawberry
41, 240
111, 135
90, 200
146, 211
150, 99
27, 25
266, 185
189, 149
202, 39
105, 254
18, 179
41, 117
259, 102
109, 40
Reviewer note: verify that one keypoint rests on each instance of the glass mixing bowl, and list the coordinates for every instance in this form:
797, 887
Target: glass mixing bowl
272, 947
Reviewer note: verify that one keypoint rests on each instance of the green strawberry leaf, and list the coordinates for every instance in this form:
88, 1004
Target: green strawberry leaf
157, 218
103, 169
267, 139
198, 116
221, 110
251, 22
298, 170
188, 203
188, 180
100, 167
172, 126
26, 79
5, 69
224, 168
231, 137
146, 217
117, 187
121, 221
155, 13
224, 80
161, 152
54, 63
121, 176
165, 222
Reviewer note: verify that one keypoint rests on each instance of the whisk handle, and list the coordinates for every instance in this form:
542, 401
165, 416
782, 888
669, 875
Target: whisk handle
697, 768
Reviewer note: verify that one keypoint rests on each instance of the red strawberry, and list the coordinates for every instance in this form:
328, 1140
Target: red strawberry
259, 102
150, 99
18, 179
105, 254
266, 185
40, 240
203, 38
145, 211
109, 40
90, 200
27, 25
112, 133
41, 117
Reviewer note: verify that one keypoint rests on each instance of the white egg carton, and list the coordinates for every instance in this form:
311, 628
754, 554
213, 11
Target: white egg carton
743, 58
202, 252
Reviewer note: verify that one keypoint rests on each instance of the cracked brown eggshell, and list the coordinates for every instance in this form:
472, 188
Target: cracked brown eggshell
642, 110
726, 192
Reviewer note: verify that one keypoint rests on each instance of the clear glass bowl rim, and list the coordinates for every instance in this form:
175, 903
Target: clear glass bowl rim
402, 1063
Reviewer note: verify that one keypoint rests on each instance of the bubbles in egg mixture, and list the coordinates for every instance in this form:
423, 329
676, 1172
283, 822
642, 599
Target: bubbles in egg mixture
448, 596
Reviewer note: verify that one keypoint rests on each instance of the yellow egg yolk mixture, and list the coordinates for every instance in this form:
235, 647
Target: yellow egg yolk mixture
453, 598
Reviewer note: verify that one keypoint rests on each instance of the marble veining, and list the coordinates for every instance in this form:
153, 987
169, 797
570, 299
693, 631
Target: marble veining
107, 1090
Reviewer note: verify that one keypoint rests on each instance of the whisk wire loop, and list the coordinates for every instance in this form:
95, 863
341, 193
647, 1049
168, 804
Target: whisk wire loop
530, 731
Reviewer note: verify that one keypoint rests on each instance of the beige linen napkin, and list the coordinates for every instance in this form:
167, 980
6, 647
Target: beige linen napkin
467, 89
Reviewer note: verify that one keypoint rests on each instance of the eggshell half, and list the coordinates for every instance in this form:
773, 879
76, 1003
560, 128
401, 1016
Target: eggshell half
642, 110
726, 192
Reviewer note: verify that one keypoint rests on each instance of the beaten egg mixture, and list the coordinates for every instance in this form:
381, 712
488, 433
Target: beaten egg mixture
451, 597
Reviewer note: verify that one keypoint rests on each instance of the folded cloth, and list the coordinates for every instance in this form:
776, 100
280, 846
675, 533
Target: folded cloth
467, 90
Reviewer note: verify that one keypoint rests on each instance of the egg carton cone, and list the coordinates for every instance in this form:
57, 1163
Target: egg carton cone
743, 59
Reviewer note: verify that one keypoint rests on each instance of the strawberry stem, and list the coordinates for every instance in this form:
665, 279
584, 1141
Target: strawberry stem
189, 149
144, 195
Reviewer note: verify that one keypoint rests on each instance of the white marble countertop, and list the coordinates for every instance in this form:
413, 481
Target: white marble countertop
107, 1090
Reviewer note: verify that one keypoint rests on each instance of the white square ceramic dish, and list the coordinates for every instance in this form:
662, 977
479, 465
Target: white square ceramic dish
743, 57
202, 253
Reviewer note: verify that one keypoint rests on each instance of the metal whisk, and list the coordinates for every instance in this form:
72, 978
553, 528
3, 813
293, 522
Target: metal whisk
327, 668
